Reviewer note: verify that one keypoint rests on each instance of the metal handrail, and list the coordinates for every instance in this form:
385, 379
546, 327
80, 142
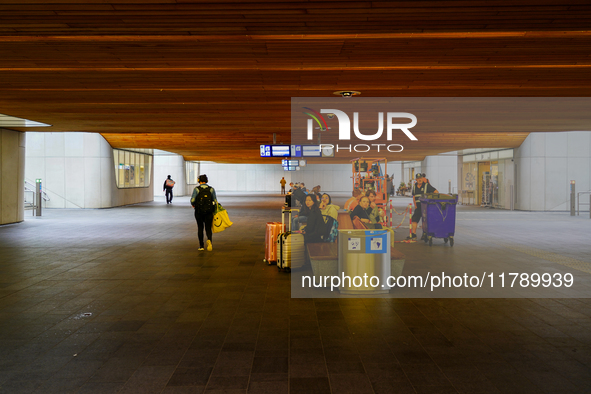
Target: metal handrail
31, 205
31, 187
578, 203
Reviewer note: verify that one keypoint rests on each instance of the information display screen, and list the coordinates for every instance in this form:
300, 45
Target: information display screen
275, 150
296, 151
280, 151
290, 165
311, 151
265, 150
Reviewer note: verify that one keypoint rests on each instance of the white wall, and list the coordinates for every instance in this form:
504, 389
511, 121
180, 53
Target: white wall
244, 177
395, 168
330, 177
78, 171
167, 163
546, 163
440, 170
12, 176
266, 177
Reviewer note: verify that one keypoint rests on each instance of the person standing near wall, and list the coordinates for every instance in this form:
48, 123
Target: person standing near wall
204, 201
282, 182
167, 189
389, 187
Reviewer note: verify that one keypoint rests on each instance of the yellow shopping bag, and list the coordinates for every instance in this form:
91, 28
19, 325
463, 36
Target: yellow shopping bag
221, 220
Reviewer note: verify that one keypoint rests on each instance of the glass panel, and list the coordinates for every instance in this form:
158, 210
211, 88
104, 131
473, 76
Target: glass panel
148, 170
142, 175
469, 183
485, 195
132, 169
121, 168
135, 162
126, 161
494, 180
501, 184
116, 166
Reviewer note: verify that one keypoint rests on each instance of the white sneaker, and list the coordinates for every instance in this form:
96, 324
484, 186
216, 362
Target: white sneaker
209, 246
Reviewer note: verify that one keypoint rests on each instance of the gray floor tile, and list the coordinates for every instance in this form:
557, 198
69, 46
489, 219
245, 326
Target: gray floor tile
167, 319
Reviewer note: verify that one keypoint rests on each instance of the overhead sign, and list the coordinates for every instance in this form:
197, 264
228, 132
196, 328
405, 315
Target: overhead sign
296, 151
311, 151
275, 151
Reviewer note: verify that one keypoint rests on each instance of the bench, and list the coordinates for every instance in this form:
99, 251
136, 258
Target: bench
324, 255
345, 222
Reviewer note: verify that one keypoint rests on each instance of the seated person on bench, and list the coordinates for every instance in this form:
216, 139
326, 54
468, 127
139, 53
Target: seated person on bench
328, 208
376, 214
352, 202
363, 212
315, 227
298, 194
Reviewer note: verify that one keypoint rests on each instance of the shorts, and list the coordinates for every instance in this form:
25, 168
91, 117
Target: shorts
417, 214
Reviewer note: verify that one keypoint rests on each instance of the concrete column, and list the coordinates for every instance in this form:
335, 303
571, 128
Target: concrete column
12, 176
167, 163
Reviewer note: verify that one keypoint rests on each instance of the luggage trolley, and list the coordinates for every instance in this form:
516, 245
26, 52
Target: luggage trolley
439, 217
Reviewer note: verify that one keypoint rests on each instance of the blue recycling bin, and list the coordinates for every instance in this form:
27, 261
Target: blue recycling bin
439, 217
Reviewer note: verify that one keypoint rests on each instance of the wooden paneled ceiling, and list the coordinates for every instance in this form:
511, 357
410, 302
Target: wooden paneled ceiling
213, 80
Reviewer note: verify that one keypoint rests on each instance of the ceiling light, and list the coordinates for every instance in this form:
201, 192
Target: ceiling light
347, 93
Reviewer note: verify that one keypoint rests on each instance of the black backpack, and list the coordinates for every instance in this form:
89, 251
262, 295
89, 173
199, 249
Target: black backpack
331, 229
204, 203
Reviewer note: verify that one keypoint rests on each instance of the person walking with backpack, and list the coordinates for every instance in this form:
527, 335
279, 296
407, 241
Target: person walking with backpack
204, 201
167, 189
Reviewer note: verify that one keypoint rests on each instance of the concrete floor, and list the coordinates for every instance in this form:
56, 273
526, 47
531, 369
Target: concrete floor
120, 301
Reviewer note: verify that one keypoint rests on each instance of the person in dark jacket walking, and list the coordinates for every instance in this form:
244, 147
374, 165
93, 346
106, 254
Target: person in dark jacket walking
204, 201
167, 189
315, 227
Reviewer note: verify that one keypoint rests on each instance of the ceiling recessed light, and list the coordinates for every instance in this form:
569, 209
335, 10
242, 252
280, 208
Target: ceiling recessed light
347, 93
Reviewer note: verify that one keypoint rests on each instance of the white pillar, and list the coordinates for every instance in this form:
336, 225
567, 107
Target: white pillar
12, 176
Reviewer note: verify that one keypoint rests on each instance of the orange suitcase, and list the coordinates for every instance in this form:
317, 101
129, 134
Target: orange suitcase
273, 230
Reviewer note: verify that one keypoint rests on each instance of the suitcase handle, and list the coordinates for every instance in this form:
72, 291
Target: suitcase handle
288, 211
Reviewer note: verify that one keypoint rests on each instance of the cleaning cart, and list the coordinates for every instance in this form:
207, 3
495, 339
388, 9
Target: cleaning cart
439, 217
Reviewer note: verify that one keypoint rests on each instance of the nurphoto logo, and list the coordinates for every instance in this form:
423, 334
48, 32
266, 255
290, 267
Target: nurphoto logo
345, 129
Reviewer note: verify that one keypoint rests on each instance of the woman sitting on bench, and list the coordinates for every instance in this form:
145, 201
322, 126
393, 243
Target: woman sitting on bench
363, 212
315, 227
328, 208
